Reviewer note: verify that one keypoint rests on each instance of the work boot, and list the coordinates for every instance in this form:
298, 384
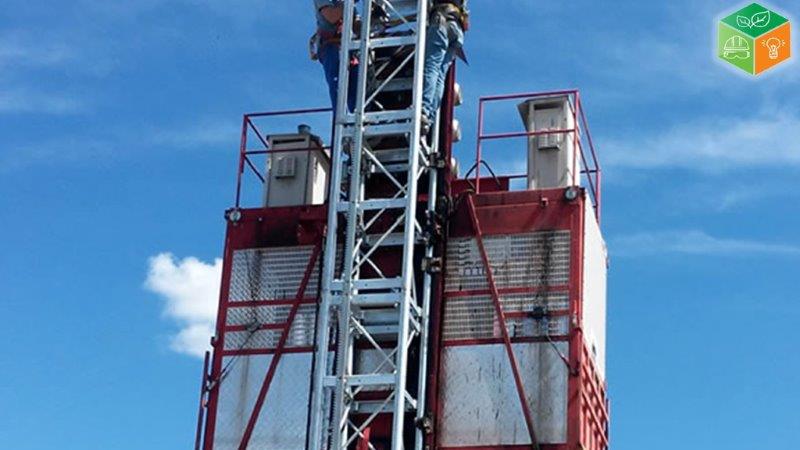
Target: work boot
426, 125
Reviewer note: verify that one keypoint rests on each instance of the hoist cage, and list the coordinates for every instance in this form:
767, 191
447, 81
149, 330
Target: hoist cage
517, 324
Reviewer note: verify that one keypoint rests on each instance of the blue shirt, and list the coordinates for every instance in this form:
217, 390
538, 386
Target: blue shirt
323, 24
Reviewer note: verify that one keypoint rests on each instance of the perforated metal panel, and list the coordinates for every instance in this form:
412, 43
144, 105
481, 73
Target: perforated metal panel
474, 317
519, 260
531, 260
301, 333
271, 274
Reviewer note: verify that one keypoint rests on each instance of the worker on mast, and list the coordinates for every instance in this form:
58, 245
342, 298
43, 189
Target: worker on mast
448, 21
325, 46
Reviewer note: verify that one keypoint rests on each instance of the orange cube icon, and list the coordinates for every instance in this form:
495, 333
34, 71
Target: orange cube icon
773, 48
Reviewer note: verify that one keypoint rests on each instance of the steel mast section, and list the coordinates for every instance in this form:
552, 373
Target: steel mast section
349, 392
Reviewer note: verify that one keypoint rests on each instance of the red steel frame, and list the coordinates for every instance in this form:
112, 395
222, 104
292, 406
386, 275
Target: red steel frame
590, 167
273, 364
249, 231
245, 153
501, 318
244, 233
524, 211
586, 388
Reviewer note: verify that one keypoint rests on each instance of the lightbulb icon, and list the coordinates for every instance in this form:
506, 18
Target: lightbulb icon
773, 44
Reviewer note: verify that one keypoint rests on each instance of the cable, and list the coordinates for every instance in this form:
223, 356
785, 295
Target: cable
489, 168
252, 327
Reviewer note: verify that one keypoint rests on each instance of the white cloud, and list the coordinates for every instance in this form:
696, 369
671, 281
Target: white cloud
694, 242
28, 101
203, 132
190, 289
714, 144
64, 150
18, 49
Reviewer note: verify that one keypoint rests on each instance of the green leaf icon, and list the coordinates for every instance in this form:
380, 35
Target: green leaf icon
760, 20
743, 22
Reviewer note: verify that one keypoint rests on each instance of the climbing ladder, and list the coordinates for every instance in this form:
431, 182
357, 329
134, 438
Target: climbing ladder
373, 315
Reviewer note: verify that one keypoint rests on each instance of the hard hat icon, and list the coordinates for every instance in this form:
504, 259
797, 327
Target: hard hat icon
736, 47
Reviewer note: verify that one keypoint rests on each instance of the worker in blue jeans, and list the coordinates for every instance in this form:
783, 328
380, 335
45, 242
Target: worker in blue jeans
326, 44
445, 40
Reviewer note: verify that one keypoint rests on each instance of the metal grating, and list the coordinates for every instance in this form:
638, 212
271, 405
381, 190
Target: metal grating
268, 315
300, 335
271, 274
520, 260
474, 317
529, 260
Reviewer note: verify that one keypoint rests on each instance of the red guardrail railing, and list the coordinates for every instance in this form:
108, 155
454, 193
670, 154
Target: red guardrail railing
250, 129
582, 139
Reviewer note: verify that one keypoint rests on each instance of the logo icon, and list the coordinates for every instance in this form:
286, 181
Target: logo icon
754, 39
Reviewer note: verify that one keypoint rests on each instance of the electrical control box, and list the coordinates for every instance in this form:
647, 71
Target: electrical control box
297, 170
552, 157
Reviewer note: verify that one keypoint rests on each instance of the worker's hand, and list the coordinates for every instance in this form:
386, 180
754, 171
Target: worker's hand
313, 45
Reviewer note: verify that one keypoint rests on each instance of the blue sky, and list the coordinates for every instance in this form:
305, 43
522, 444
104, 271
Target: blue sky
119, 130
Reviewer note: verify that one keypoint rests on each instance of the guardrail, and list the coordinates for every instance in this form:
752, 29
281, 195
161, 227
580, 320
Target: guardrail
590, 171
252, 132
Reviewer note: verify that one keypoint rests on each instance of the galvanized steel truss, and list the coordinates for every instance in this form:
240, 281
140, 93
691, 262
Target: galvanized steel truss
390, 46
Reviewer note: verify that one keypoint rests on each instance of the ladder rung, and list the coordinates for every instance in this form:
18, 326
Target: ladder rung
392, 240
377, 300
372, 284
393, 41
372, 205
391, 129
380, 283
386, 116
382, 332
376, 204
371, 406
373, 379
380, 379
383, 42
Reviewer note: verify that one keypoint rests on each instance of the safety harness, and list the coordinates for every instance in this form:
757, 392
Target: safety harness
455, 10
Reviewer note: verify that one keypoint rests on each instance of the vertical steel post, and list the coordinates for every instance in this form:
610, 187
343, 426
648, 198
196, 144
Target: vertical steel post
198, 437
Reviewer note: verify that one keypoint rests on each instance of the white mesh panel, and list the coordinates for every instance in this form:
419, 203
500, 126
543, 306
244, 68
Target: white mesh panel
517, 261
272, 274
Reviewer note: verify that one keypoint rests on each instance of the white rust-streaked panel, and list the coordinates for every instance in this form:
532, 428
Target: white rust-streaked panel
595, 268
282, 422
480, 403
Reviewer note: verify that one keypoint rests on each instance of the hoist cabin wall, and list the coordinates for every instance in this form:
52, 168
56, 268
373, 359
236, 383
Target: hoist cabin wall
259, 382
548, 262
